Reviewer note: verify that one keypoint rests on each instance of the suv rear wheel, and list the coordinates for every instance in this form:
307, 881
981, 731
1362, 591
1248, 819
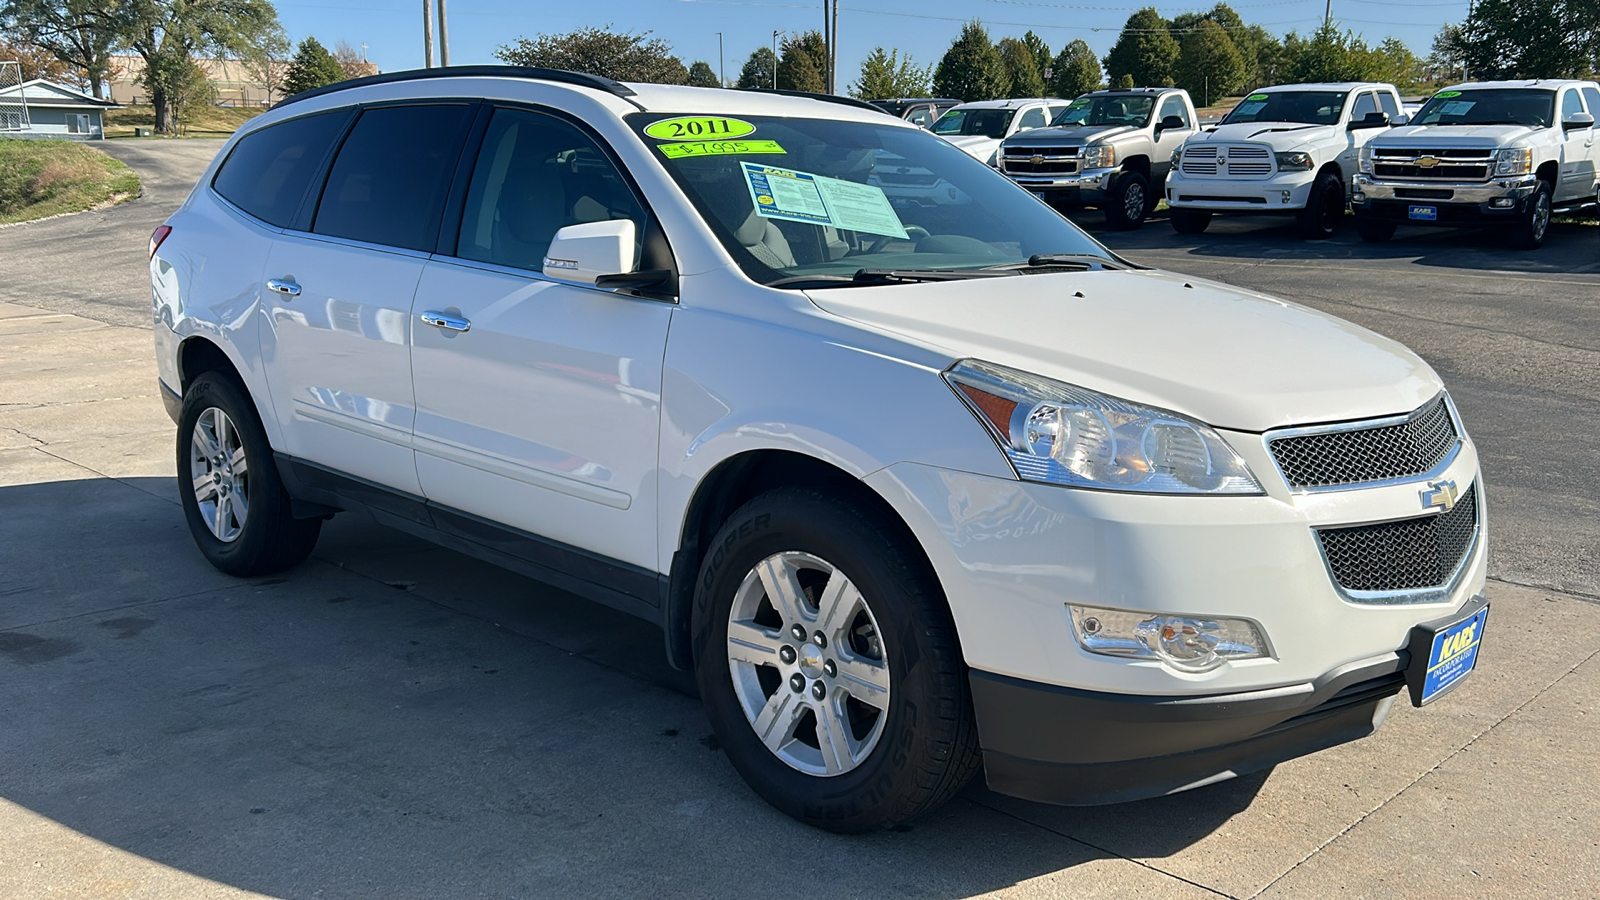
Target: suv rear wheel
1530, 230
829, 664
1129, 201
235, 504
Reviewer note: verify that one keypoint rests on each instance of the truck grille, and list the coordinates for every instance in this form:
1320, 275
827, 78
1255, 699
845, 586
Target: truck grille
1227, 161
1453, 164
1040, 160
1351, 455
1408, 555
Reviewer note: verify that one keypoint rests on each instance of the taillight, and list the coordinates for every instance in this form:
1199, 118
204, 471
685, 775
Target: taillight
157, 236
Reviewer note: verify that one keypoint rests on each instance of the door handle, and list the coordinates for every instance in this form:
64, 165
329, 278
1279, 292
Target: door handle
449, 323
284, 286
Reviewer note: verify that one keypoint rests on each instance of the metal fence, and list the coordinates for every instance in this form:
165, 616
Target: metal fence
13, 106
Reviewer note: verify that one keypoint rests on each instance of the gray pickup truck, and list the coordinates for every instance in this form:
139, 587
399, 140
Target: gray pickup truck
1111, 149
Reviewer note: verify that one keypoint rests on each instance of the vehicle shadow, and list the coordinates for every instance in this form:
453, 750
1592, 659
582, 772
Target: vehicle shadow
395, 720
1570, 248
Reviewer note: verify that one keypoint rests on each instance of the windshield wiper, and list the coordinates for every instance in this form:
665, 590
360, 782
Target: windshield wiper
884, 276
1082, 262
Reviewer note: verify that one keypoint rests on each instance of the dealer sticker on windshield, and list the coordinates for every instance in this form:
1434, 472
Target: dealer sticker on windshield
718, 148
1256, 97
819, 200
699, 128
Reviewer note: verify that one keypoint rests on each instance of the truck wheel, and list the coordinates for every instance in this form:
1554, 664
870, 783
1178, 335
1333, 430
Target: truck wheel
1529, 231
1324, 208
829, 664
236, 506
1128, 202
1374, 231
1190, 221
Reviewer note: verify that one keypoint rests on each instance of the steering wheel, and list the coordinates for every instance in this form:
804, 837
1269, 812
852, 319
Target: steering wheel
914, 232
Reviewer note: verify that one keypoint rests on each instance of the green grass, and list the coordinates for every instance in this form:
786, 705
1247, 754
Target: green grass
47, 178
202, 121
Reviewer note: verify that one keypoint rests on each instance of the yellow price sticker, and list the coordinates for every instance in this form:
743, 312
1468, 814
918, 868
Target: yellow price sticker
718, 148
698, 128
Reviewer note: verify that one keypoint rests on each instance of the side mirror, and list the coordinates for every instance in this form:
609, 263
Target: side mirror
1370, 120
1576, 121
583, 253
1171, 122
1400, 120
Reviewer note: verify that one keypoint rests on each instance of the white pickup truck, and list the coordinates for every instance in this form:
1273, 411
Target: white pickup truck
1499, 153
1290, 149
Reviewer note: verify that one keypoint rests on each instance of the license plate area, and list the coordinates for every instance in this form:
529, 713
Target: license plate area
1445, 653
1423, 213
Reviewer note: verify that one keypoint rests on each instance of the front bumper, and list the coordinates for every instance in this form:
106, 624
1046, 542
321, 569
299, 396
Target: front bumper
1283, 193
1465, 203
1087, 186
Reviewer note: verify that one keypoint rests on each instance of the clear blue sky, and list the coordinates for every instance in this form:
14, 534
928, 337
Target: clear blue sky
392, 31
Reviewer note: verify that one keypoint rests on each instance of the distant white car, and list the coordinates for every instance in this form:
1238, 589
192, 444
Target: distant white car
978, 128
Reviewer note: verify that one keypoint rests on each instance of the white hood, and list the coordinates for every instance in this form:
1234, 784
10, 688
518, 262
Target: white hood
1277, 135
976, 146
1453, 136
1228, 357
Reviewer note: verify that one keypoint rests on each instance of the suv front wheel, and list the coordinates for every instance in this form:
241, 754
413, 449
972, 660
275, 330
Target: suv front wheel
1129, 201
829, 665
1530, 230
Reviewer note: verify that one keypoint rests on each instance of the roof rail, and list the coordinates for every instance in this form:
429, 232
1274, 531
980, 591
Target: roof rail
826, 98
532, 73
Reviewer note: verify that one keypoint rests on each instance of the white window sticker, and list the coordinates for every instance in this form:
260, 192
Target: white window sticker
820, 200
1249, 108
1456, 107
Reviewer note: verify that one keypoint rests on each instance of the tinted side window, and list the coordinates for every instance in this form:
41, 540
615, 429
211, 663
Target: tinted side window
1173, 106
388, 183
535, 175
1390, 108
1571, 105
1033, 118
921, 117
268, 171
1364, 105
1593, 96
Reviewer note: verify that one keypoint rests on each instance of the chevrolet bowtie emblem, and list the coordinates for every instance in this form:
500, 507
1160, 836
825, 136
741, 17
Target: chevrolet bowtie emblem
1439, 495
1427, 162
1037, 160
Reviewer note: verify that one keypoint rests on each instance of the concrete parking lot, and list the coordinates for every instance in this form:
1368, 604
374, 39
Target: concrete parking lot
395, 720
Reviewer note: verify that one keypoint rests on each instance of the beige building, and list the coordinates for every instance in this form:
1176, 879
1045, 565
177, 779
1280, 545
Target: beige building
236, 84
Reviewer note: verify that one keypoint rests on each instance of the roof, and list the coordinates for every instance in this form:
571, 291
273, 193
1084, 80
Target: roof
49, 95
1322, 86
1008, 104
1548, 84
1112, 92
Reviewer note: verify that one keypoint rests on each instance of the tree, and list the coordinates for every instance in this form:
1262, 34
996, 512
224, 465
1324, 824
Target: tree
349, 60
1329, 55
887, 75
1040, 51
802, 63
700, 75
1125, 82
1529, 39
1144, 50
1393, 61
1262, 55
82, 34
267, 61
623, 56
1209, 65
972, 68
1075, 71
168, 33
36, 62
1021, 70
758, 71
188, 88
313, 67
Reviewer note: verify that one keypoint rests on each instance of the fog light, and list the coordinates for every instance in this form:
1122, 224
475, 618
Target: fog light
1185, 643
1503, 202
1358, 197
1285, 197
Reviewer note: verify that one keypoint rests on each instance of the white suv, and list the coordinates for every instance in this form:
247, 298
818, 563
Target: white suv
979, 127
1291, 149
913, 487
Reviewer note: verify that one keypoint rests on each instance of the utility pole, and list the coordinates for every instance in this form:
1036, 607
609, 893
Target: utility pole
775, 59
722, 73
827, 49
833, 53
427, 34
444, 37
1327, 13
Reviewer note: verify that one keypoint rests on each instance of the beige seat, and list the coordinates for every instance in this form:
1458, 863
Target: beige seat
764, 241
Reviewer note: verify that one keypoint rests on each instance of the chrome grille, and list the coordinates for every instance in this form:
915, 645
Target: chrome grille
1449, 164
1040, 160
1408, 555
1351, 455
1226, 161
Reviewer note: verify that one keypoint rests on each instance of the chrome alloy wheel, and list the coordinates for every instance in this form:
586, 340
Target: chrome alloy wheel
221, 477
1541, 215
808, 664
1133, 202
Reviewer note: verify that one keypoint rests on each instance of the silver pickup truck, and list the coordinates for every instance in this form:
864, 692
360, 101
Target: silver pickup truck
1111, 149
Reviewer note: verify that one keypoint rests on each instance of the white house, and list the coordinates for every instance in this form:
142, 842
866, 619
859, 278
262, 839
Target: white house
54, 111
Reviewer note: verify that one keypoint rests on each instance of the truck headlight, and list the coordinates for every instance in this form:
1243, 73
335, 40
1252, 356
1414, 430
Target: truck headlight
1099, 156
1177, 155
1186, 643
1057, 433
1513, 161
1293, 161
1364, 161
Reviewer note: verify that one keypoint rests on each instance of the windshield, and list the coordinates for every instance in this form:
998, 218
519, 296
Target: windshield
987, 122
814, 197
1107, 110
1489, 106
1310, 107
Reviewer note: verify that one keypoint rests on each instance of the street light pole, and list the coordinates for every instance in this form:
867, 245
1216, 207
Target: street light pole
775, 59
444, 38
427, 34
722, 73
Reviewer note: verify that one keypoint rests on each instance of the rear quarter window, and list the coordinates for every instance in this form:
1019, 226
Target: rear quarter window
268, 172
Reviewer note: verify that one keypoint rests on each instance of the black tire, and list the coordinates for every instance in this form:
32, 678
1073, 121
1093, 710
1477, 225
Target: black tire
1190, 221
1128, 201
1530, 230
269, 539
927, 748
1324, 211
1374, 231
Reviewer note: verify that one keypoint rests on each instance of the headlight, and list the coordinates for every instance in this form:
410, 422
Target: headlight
1057, 433
1513, 161
1177, 155
1186, 643
1364, 161
1099, 156
1293, 161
